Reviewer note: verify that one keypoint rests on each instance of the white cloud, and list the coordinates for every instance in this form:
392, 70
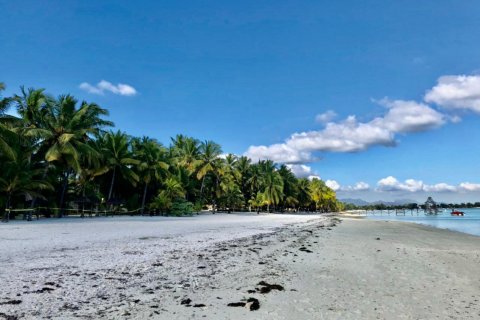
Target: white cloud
440, 187
391, 184
467, 186
409, 116
359, 186
279, 153
456, 92
300, 170
332, 184
351, 135
326, 116
105, 86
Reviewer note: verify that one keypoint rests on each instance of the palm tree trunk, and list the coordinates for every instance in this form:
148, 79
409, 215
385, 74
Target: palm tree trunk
111, 184
34, 200
83, 202
6, 214
144, 197
64, 190
201, 188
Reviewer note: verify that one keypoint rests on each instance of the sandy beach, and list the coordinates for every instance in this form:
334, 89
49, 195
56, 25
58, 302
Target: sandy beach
281, 266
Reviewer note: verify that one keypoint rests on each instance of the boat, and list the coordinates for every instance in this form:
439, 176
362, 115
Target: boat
457, 213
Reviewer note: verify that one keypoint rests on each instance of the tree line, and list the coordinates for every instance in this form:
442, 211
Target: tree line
60, 155
410, 206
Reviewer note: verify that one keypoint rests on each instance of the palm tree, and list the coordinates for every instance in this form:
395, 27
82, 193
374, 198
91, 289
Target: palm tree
185, 151
209, 163
18, 178
152, 162
321, 194
115, 148
63, 131
230, 168
258, 202
173, 189
6, 133
303, 192
243, 166
289, 186
272, 184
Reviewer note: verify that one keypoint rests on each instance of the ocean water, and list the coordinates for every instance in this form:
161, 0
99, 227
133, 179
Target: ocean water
469, 223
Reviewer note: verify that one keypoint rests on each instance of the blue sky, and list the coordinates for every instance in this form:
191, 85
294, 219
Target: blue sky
253, 73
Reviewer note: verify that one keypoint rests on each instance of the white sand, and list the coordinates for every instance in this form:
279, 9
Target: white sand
137, 268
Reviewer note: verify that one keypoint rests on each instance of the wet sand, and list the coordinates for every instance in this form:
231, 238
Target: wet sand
264, 267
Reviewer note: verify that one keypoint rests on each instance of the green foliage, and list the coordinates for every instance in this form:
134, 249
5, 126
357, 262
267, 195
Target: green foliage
181, 207
59, 153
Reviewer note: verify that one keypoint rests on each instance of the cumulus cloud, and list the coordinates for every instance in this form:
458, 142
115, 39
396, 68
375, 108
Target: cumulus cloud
359, 186
281, 153
326, 116
300, 170
105, 86
440, 187
456, 92
351, 135
409, 116
332, 184
467, 186
391, 184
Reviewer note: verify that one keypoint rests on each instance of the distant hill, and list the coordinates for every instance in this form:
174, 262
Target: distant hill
360, 202
357, 202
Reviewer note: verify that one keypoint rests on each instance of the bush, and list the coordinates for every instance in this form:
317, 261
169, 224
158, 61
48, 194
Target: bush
181, 207
197, 207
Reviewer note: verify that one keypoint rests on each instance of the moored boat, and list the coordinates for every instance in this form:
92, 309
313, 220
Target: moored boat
457, 213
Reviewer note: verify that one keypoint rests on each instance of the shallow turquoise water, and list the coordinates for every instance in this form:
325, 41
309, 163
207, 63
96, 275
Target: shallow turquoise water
470, 223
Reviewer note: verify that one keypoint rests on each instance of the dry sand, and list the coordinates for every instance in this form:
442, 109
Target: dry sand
190, 268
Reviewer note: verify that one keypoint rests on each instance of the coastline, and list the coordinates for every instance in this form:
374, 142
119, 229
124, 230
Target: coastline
328, 270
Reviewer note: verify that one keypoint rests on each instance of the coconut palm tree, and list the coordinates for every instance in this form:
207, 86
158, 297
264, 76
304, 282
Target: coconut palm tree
289, 186
172, 189
185, 151
230, 194
243, 166
152, 162
208, 163
303, 192
321, 194
63, 130
6, 134
272, 185
115, 148
19, 178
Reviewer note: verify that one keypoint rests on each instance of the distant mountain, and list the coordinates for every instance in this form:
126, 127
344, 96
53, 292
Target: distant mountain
395, 202
360, 202
356, 202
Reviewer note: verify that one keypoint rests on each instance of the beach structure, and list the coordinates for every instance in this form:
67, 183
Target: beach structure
431, 207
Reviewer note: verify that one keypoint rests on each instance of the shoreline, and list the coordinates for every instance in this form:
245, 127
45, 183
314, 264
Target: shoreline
357, 216
327, 269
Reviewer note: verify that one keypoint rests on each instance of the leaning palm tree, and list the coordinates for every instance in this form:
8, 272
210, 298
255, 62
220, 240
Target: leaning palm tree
152, 162
115, 148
